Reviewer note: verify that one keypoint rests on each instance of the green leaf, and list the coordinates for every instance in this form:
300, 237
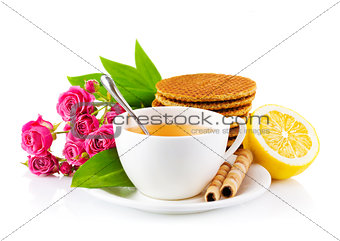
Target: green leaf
80, 81
133, 86
123, 74
145, 66
138, 97
102, 170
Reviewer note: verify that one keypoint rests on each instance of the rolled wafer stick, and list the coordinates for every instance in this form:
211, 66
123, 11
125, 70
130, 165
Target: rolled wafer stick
213, 191
237, 173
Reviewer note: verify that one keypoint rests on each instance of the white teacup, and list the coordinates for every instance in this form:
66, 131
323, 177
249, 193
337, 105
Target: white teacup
174, 167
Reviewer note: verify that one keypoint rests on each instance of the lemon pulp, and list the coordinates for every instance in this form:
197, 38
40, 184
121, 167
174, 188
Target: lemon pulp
284, 142
287, 136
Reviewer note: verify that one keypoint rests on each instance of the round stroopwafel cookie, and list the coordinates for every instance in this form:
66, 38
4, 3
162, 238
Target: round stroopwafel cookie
216, 105
233, 132
237, 111
241, 146
231, 141
206, 87
156, 103
235, 125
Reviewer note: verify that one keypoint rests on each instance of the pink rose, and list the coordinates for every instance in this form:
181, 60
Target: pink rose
43, 165
66, 168
36, 137
91, 85
85, 124
38, 122
70, 137
102, 140
73, 152
75, 95
117, 108
109, 116
67, 127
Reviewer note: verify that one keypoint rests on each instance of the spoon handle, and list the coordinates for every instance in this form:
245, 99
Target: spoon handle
111, 87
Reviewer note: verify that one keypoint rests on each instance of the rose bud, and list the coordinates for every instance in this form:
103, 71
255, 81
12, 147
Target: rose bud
36, 137
73, 151
75, 95
102, 139
66, 168
43, 165
92, 86
117, 108
109, 116
67, 127
39, 122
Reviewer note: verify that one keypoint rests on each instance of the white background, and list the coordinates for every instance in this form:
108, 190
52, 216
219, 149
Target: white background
181, 37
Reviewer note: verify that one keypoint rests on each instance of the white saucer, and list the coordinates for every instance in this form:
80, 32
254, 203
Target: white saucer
255, 183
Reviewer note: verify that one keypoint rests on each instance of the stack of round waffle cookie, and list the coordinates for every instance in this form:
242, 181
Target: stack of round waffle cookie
226, 94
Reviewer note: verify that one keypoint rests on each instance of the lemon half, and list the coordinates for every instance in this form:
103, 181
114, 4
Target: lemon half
281, 140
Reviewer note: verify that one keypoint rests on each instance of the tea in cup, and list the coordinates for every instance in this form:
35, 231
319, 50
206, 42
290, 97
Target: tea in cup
183, 153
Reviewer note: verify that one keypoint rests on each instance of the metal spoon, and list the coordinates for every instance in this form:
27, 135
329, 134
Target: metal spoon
111, 87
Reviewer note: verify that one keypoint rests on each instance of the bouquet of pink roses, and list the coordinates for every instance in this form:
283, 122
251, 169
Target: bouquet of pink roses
38, 136
90, 144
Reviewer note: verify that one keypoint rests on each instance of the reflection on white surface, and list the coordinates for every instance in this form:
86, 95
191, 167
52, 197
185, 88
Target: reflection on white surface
45, 190
293, 192
272, 203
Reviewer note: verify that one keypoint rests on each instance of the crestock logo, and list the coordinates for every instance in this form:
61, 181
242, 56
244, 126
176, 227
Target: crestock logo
160, 119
